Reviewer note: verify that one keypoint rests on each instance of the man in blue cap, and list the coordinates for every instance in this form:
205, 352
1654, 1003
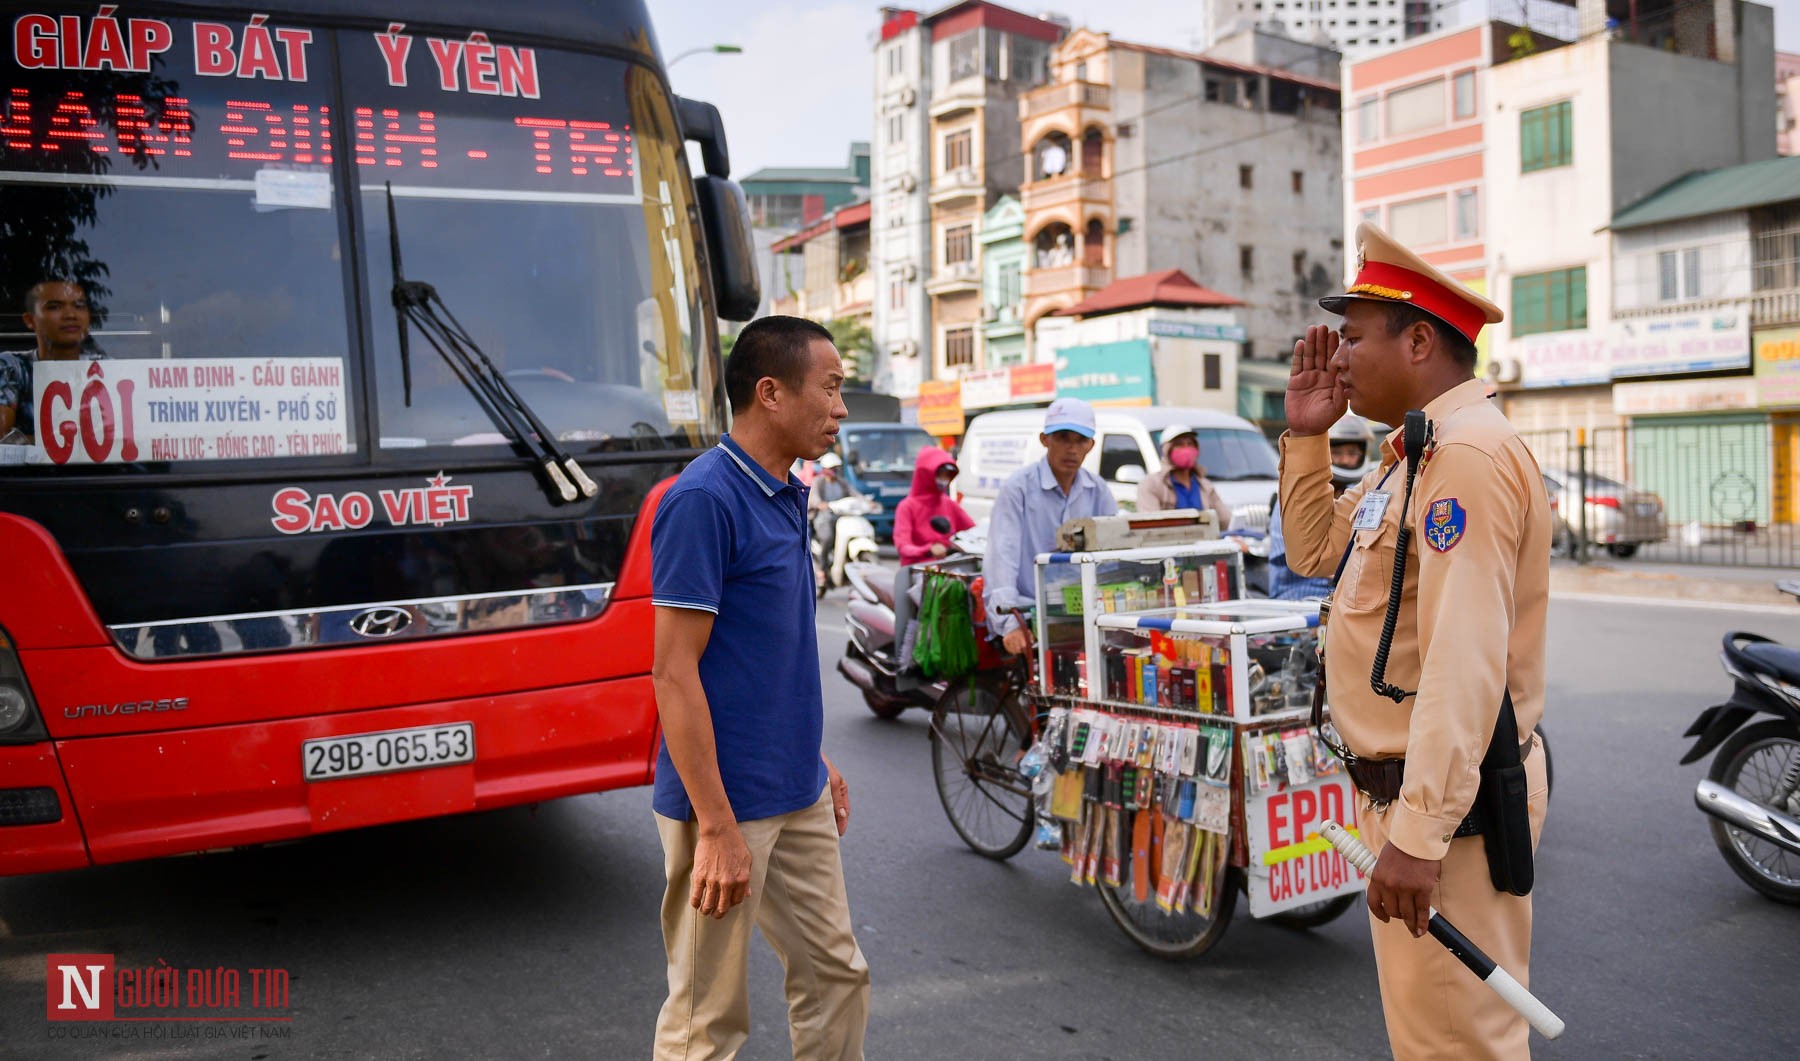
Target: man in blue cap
1032, 503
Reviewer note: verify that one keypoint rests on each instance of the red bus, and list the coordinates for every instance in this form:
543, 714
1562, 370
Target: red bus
343, 347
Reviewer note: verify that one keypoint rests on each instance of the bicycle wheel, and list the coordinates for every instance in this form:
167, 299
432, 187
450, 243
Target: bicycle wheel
1171, 936
975, 753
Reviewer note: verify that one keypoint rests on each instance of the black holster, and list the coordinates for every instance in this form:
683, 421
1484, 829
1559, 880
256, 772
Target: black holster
1502, 806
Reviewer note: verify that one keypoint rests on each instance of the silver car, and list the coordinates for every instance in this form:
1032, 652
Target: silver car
1618, 516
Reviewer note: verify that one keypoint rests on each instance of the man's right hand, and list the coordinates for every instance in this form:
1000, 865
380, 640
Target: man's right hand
938, 550
1017, 642
721, 870
1315, 396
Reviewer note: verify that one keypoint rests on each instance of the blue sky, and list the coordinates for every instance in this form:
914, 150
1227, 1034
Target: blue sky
802, 89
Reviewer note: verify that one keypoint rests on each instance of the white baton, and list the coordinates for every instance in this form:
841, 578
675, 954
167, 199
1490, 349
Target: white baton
1548, 1024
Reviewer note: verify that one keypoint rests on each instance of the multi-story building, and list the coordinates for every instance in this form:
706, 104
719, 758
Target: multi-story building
1705, 341
1144, 159
1415, 143
1787, 103
785, 199
946, 86
1574, 136
834, 281
1003, 261
791, 197
1359, 28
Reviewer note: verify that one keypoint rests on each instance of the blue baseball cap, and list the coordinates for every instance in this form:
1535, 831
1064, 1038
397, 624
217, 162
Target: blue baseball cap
1069, 414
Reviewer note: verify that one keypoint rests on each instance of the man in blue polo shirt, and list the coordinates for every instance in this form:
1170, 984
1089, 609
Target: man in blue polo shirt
748, 809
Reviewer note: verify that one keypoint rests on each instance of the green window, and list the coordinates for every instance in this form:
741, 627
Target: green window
1555, 301
1546, 137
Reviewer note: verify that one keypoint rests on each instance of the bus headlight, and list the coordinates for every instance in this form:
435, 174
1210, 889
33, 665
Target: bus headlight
15, 708
19, 722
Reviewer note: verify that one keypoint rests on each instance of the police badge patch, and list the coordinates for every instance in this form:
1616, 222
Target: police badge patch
1444, 524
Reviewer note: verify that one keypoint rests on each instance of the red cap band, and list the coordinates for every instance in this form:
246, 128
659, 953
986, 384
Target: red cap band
1420, 290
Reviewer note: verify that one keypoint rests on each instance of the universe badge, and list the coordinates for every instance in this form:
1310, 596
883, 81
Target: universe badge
1444, 524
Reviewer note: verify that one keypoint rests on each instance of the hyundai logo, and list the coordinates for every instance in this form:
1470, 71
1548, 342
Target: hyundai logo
380, 622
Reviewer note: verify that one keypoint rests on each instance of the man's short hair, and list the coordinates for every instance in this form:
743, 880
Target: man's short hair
34, 295
773, 346
1402, 316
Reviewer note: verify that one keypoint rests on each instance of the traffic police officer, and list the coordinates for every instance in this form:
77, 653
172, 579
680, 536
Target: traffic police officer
1470, 629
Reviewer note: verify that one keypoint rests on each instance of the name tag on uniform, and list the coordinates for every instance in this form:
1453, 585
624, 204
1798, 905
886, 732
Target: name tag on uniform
1369, 512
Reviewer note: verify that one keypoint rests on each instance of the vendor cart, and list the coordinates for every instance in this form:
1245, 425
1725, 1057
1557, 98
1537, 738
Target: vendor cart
1159, 742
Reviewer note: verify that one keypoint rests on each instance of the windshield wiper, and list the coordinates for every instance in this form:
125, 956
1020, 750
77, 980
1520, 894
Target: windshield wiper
417, 302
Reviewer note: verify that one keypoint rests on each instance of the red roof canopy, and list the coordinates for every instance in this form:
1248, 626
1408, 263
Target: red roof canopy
1171, 287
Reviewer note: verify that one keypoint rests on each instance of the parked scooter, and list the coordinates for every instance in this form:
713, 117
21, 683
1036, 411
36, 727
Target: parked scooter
872, 661
1752, 789
854, 541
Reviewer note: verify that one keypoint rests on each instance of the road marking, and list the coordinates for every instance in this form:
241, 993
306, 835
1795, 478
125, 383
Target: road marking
1792, 611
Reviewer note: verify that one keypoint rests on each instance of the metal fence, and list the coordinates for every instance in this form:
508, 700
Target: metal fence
1722, 493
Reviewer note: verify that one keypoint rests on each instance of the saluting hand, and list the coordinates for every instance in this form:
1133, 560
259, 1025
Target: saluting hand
1315, 396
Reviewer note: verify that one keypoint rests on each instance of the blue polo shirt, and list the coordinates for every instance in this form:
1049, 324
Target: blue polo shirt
731, 539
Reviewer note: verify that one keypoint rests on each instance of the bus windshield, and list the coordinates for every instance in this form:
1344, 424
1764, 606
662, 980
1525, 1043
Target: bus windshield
196, 266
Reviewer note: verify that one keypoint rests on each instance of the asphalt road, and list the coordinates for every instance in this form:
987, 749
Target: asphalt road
534, 933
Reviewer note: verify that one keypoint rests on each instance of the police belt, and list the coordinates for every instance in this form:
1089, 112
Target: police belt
1380, 780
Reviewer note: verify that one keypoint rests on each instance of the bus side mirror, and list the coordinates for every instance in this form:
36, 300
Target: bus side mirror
700, 122
730, 248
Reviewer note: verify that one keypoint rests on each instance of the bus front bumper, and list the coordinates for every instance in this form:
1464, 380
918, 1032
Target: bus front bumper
145, 795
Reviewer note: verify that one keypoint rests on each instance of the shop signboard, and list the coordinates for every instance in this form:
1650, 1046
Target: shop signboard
1560, 359
1290, 863
984, 390
1233, 333
1106, 373
1778, 368
1033, 383
1665, 397
940, 407
1710, 341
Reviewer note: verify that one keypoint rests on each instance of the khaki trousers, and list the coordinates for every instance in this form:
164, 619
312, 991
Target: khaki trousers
1435, 1007
797, 898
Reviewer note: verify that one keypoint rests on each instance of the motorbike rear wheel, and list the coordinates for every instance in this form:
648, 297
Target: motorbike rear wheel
882, 706
1751, 763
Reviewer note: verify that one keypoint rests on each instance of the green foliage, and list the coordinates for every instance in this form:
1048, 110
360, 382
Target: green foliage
856, 344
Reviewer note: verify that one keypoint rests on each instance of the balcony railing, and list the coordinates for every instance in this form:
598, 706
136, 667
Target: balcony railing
1064, 94
1066, 278
1068, 188
956, 184
855, 294
1769, 308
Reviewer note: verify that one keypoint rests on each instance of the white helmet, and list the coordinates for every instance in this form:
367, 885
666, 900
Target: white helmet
831, 460
1351, 428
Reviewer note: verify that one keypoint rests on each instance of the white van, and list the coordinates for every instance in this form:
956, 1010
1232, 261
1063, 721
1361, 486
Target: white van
1237, 458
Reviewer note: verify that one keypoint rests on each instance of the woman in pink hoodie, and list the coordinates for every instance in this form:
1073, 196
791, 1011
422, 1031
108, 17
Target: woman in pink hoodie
930, 498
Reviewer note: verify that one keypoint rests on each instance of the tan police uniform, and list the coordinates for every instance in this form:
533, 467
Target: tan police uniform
1471, 627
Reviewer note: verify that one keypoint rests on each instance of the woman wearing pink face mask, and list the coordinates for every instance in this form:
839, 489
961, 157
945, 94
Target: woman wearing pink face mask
1182, 482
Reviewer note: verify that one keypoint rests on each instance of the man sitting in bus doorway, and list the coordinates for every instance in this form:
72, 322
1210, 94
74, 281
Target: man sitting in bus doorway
1182, 481
748, 809
57, 312
1032, 503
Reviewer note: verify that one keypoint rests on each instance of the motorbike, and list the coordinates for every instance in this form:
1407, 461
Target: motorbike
854, 541
1752, 789
872, 661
